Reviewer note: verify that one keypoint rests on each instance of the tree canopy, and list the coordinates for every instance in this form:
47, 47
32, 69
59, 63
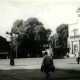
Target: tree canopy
31, 33
59, 41
62, 30
4, 46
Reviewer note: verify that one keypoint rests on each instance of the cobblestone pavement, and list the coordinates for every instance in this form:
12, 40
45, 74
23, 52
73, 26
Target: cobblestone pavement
29, 69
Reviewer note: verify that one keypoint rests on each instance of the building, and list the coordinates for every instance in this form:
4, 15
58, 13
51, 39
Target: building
74, 36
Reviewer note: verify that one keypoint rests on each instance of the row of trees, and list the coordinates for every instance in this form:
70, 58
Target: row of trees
32, 36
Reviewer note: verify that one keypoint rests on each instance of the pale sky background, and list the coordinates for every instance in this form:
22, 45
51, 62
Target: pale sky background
51, 13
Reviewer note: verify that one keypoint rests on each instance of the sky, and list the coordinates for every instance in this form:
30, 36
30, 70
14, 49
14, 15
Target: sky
51, 13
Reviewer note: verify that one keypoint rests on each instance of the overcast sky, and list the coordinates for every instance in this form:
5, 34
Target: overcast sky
51, 13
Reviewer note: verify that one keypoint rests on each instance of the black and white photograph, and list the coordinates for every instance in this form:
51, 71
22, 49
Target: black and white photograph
39, 39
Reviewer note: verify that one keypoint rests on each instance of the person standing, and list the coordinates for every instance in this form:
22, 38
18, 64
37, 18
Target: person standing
78, 57
47, 63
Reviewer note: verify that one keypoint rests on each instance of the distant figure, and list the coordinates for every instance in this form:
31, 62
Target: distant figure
7, 57
67, 55
78, 57
47, 62
28, 56
49, 51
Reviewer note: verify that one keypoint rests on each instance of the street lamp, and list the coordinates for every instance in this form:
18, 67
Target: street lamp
11, 34
16, 35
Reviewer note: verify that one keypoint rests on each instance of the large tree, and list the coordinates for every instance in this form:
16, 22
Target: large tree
59, 40
32, 35
62, 30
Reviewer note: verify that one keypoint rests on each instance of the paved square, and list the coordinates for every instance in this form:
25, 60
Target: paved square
29, 69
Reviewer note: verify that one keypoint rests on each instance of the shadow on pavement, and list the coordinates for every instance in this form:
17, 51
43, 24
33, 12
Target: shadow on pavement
35, 74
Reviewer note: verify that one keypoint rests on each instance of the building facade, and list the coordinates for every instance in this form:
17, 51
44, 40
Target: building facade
74, 35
